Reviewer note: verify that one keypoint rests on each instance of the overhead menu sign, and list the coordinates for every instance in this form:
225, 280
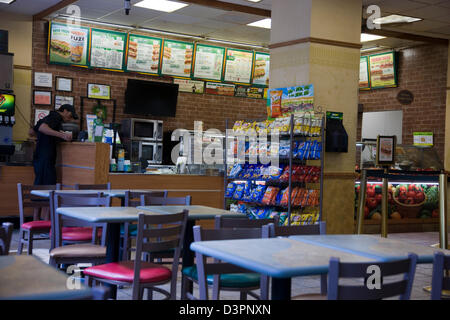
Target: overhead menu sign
143, 54
364, 73
177, 58
382, 70
107, 49
238, 66
261, 69
208, 63
68, 44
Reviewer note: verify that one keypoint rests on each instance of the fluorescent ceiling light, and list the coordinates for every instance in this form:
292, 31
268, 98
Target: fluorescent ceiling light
254, 0
370, 37
264, 23
7, 1
161, 5
394, 18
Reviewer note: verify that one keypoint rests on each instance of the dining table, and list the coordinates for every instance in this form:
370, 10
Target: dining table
26, 277
282, 258
115, 216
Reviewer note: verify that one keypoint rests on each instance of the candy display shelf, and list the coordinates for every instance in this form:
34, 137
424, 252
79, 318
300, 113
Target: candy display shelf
299, 171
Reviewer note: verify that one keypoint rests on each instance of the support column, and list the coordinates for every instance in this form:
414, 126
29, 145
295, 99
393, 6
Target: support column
318, 42
447, 127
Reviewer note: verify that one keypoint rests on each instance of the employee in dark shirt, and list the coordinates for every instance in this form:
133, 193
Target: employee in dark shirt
49, 132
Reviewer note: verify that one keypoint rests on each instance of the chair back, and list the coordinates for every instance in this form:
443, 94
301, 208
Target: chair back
205, 267
27, 200
159, 233
242, 222
133, 198
6, 230
272, 230
103, 186
165, 201
440, 279
94, 199
368, 290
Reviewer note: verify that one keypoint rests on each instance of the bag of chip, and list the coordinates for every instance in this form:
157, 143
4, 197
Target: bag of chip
239, 191
270, 195
230, 190
275, 103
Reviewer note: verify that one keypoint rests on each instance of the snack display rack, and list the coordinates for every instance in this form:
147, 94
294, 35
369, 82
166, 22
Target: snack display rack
293, 189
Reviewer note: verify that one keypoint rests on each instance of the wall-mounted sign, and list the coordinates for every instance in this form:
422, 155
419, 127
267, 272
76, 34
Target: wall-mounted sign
42, 97
177, 58
60, 100
208, 62
405, 97
382, 70
143, 54
99, 91
43, 79
107, 49
220, 88
238, 66
286, 101
7, 104
40, 114
423, 139
364, 73
191, 86
68, 44
386, 150
261, 69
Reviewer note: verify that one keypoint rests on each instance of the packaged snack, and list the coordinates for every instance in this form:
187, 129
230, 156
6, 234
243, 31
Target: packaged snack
270, 195
230, 190
275, 103
284, 197
274, 172
285, 147
235, 171
283, 220
242, 208
239, 191
285, 175
273, 214
247, 192
299, 151
258, 193
248, 172
252, 212
237, 127
294, 194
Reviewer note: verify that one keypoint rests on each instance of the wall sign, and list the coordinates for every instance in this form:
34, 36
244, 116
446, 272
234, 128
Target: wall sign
238, 66
208, 63
385, 150
177, 58
43, 79
42, 98
68, 44
382, 70
405, 97
191, 86
261, 69
107, 49
40, 114
99, 91
423, 139
143, 54
364, 73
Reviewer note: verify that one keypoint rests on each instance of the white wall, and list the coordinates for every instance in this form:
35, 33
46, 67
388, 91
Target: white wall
384, 123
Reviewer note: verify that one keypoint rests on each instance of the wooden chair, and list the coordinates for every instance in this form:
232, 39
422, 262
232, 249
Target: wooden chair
274, 230
6, 230
29, 231
440, 279
155, 233
129, 230
339, 270
217, 274
103, 186
87, 252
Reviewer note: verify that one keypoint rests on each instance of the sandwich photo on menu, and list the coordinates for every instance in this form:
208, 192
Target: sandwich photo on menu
167, 53
60, 47
132, 49
259, 73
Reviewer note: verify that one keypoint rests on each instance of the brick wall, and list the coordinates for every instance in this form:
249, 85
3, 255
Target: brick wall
213, 110
423, 71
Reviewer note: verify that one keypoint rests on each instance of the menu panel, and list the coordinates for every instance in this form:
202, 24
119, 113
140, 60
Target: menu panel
238, 66
364, 73
177, 58
107, 49
208, 62
382, 70
261, 69
143, 54
68, 44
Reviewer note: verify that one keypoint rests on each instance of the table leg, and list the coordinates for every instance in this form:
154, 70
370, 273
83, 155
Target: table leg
188, 254
112, 250
281, 288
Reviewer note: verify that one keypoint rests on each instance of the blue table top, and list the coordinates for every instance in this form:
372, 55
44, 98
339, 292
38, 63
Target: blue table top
372, 246
276, 257
26, 277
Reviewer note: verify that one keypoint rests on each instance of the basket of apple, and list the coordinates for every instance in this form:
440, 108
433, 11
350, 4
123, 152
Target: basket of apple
409, 199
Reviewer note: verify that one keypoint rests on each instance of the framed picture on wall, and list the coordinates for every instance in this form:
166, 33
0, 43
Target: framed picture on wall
386, 150
60, 100
43, 98
63, 84
43, 79
99, 91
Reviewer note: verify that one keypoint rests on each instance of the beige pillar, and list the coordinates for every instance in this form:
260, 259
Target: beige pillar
447, 130
318, 42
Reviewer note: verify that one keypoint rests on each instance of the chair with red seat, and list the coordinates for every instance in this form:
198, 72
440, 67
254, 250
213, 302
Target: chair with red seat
30, 230
77, 242
155, 233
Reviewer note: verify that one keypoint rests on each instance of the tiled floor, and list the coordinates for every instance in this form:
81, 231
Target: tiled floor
300, 285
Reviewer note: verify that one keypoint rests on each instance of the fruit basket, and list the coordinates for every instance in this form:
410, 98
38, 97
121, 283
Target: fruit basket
409, 210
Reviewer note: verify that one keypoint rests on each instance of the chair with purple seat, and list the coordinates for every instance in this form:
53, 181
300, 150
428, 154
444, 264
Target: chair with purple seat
39, 227
156, 232
376, 272
440, 279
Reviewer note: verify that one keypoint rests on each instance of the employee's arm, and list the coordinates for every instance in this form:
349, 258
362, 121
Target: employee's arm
45, 129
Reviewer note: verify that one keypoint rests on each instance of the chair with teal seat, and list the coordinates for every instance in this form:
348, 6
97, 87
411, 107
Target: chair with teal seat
225, 276
133, 199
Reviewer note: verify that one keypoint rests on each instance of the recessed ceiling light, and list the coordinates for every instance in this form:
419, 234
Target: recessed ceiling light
161, 5
394, 18
264, 23
7, 1
370, 37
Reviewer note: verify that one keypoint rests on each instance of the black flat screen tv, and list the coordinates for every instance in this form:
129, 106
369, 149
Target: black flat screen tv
151, 98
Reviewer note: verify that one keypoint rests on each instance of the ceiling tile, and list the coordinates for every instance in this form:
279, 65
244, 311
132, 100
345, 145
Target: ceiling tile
28, 8
428, 12
200, 11
428, 1
399, 6
238, 17
443, 30
424, 25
